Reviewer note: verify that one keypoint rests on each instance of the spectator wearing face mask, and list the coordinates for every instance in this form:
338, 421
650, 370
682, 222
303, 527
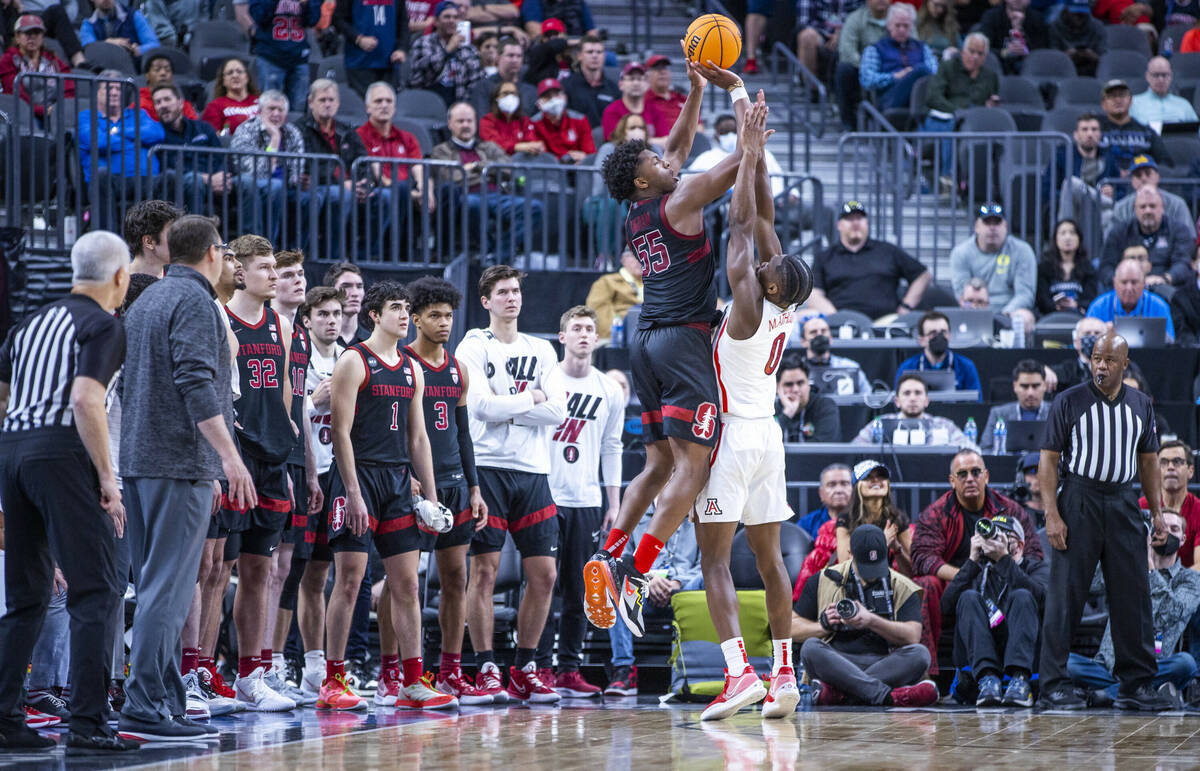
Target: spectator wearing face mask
933, 333
1079, 369
724, 143
507, 125
565, 134
814, 336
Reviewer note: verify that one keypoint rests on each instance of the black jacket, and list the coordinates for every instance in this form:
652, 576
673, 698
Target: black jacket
350, 146
1082, 282
1185, 314
996, 26
818, 421
1003, 577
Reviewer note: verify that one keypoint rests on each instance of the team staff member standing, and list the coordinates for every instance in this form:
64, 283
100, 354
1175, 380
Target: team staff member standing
1101, 435
59, 487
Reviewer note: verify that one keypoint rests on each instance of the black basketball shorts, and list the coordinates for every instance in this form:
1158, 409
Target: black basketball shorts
392, 523
674, 378
301, 528
458, 500
518, 503
261, 527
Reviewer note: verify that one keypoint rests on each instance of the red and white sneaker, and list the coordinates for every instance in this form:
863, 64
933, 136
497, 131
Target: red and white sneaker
783, 696
624, 682
36, 720
547, 676
524, 685
387, 692
740, 691
825, 695
461, 688
923, 694
336, 695
218, 684
488, 683
572, 684
422, 695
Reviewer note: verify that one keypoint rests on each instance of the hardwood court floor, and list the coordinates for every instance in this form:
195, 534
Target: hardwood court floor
633, 733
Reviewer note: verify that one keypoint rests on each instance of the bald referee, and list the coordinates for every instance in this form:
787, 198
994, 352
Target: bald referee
1100, 435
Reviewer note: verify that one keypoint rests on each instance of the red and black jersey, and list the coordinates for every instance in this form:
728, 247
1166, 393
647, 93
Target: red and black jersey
298, 368
266, 430
379, 434
443, 389
678, 271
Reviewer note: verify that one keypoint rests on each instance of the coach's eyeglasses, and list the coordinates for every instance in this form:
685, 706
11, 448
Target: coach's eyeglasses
974, 473
224, 249
1172, 462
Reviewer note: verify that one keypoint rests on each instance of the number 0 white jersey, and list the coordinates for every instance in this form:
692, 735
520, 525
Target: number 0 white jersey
746, 368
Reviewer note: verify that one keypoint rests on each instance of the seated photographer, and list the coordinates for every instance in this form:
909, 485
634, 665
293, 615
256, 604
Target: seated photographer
860, 616
915, 425
1174, 599
996, 598
804, 415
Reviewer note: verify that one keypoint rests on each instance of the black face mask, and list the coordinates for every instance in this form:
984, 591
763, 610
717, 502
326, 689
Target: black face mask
1169, 547
1086, 344
939, 344
819, 345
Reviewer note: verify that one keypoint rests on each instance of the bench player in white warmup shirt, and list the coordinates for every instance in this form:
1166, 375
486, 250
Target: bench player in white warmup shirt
747, 483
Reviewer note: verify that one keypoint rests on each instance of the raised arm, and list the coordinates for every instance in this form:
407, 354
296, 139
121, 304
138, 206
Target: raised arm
765, 237
746, 311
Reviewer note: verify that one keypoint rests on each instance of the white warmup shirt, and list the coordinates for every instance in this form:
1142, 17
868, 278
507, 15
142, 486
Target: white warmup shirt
746, 368
507, 429
320, 421
588, 442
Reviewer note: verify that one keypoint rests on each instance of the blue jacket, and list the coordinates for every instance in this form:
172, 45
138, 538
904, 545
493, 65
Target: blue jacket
883, 58
196, 133
966, 377
1053, 176
812, 521
279, 34
114, 143
1106, 307
123, 23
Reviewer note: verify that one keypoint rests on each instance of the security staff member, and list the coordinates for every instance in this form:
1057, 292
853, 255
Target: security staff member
1100, 435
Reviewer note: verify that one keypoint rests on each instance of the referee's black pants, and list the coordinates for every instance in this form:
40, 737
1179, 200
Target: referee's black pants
1104, 523
52, 515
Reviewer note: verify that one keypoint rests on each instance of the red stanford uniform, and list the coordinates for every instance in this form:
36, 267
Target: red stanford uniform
671, 354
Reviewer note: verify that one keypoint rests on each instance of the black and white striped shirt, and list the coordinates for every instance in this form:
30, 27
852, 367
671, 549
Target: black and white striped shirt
69, 338
1100, 439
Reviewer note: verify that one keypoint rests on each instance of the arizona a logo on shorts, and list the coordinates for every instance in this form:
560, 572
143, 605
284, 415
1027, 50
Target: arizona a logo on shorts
712, 509
704, 425
337, 517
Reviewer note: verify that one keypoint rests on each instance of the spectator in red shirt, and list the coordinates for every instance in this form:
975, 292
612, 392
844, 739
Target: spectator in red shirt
159, 71
666, 102
29, 54
395, 185
507, 125
235, 97
1133, 14
1175, 467
566, 135
633, 87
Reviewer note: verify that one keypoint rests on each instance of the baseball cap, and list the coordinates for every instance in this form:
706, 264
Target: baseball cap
1029, 461
29, 21
633, 67
553, 25
852, 207
868, 546
865, 467
549, 84
990, 210
443, 6
1142, 162
1078, 7
656, 60
1113, 85
1007, 523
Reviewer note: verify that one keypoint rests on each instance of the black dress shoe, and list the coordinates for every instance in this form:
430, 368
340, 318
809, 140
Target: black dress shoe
1064, 697
98, 744
1145, 698
211, 732
25, 738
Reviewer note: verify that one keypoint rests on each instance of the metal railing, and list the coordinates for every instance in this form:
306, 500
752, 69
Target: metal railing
922, 188
802, 87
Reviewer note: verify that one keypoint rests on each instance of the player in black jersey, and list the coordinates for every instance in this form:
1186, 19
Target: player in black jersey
433, 304
265, 435
671, 353
378, 433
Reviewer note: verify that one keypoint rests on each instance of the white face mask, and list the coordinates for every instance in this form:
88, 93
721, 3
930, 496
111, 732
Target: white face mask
638, 134
508, 103
728, 142
555, 107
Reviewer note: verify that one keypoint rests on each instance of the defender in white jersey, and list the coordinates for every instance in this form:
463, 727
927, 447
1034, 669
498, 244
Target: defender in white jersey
747, 483
585, 447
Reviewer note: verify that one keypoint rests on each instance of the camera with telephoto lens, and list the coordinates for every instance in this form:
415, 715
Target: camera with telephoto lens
985, 528
846, 608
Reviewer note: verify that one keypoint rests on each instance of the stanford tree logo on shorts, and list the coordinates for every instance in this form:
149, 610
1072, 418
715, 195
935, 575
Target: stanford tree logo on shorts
704, 425
712, 509
337, 517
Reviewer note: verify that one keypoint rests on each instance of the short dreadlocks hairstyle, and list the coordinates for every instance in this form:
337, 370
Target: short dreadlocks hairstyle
430, 290
381, 293
620, 169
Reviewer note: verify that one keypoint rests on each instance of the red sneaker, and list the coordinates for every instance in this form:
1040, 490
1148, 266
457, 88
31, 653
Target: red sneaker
740, 691
783, 696
387, 691
218, 684
624, 682
488, 683
524, 685
547, 676
463, 689
36, 720
751, 67
923, 694
572, 684
825, 695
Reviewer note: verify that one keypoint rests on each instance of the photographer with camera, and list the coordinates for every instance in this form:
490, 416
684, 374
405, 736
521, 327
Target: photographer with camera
996, 598
860, 624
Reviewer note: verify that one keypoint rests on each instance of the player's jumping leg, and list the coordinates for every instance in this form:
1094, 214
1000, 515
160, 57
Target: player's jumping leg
784, 694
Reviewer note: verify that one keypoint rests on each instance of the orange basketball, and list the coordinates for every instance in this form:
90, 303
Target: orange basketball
716, 37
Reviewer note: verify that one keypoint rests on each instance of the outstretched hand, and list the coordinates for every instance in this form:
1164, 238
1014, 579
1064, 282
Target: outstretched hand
754, 127
698, 73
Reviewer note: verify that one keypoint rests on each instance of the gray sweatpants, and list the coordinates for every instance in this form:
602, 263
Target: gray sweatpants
864, 677
167, 522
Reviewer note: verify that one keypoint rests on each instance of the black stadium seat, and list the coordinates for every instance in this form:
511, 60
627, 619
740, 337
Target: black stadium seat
794, 542
1046, 67
181, 62
219, 33
209, 61
110, 57
423, 137
1129, 66
1122, 37
1082, 92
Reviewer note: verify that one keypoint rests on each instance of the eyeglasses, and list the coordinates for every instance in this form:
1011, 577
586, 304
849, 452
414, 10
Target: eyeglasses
1172, 462
974, 473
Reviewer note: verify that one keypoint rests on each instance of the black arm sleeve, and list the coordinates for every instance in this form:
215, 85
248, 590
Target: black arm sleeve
466, 450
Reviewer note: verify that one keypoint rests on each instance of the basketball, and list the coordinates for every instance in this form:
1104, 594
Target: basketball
716, 37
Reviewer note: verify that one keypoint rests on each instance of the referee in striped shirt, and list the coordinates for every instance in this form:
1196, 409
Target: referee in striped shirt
60, 491
1100, 435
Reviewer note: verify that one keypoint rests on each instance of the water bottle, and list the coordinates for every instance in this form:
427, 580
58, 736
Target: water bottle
1000, 436
876, 431
618, 332
1018, 327
805, 689
1167, 47
971, 431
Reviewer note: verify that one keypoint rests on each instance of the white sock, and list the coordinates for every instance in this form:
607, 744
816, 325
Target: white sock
278, 663
735, 656
781, 650
315, 660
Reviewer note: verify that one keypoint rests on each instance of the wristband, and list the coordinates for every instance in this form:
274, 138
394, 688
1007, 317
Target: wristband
738, 92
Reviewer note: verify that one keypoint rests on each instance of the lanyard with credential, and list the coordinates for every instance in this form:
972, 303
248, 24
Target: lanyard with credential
862, 595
